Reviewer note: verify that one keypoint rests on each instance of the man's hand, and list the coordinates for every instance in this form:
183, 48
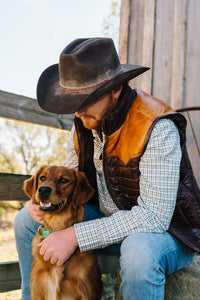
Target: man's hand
35, 212
59, 246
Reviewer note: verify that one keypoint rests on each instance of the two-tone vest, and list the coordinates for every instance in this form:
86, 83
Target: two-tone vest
127, 131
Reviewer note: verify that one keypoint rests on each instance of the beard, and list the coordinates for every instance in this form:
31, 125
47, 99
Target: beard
94, 115
90, 122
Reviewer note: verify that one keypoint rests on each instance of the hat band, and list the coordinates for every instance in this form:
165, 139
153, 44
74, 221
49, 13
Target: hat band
88, 87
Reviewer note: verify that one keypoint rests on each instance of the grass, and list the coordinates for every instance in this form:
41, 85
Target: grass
109, 286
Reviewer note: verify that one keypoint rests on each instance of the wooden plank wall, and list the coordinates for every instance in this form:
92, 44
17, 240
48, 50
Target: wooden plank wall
165, 36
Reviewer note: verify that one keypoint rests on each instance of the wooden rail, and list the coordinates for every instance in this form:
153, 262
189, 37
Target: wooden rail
11, 187
26, 109
10, 278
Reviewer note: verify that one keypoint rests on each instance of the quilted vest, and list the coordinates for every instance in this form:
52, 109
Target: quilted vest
127, 131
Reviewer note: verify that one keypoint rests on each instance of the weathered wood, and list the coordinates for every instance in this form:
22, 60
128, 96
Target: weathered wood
141, 40
178, 54
10, 278
11, 187
192, 57
26, 109
124, 31
164, 35
169, 51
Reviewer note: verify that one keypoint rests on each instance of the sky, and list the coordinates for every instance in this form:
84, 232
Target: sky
34, 32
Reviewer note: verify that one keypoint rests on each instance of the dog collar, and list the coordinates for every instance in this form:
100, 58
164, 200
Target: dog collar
44, 232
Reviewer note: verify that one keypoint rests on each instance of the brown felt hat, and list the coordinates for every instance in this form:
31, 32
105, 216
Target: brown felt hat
88, 69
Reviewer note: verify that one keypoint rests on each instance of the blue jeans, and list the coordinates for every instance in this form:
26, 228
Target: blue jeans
145, 259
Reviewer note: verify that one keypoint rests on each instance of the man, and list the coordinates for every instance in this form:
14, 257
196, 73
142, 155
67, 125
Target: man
131, 147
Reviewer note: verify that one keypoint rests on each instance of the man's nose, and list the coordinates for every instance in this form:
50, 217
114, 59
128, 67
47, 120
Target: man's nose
80, 112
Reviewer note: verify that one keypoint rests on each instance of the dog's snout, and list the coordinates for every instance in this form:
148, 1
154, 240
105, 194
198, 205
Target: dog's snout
44, 192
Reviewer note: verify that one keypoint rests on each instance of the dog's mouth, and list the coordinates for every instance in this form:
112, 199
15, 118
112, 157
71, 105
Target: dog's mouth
48, 206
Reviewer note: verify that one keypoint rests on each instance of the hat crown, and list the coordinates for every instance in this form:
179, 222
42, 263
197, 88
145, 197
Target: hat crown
88, 62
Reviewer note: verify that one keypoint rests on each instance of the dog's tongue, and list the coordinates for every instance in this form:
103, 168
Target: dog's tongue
45, 204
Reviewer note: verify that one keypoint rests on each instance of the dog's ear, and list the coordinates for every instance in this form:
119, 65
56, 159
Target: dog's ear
83, 191
31, 185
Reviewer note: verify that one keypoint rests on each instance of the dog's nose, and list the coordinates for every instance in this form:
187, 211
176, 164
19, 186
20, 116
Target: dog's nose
44, 192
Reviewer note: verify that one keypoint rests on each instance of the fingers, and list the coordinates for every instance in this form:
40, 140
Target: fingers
49, 256
43, 247
60, 262
58, 246
35, 212
53, 260
44, 251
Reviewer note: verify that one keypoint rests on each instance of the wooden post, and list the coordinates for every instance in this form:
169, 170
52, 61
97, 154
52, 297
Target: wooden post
124, 31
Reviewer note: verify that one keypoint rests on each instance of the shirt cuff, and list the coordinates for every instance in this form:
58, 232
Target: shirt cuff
94, 234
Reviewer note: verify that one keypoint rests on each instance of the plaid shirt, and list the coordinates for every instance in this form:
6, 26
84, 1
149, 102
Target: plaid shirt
159, 178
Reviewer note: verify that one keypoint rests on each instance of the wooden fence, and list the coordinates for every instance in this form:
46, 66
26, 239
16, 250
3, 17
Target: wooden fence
26, 109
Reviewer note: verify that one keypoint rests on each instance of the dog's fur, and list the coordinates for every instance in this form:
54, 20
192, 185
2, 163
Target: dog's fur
61, 193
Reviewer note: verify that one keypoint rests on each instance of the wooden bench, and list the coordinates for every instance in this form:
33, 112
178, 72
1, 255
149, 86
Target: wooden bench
26, 109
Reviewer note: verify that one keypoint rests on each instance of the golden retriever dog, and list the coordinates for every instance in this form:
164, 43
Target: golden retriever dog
61, 193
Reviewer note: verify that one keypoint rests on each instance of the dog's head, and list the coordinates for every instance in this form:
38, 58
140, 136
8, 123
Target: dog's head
54, 188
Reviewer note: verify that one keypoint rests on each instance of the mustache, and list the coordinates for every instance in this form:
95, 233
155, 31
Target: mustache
86, 116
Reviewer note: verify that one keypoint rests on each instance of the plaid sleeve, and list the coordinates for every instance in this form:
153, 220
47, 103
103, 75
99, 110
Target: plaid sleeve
159, 179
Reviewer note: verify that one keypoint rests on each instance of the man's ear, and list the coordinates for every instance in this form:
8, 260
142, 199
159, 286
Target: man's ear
31, 185
83, 191
116, 92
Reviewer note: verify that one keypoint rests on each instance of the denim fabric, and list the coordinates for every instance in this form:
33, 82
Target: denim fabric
25, 230
145, 257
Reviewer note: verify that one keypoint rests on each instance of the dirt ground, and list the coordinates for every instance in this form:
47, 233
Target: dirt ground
7, 242
7, 245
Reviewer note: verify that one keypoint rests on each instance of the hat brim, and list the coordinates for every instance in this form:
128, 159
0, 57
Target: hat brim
53, 99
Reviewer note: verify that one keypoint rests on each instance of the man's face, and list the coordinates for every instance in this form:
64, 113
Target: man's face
92, 114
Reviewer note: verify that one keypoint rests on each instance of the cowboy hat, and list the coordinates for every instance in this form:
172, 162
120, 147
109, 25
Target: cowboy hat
88, 69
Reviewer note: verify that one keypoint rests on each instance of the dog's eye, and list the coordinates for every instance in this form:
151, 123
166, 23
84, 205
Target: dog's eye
42, 178
63, 180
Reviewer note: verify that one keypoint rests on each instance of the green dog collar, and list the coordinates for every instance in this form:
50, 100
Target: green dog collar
44, 232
